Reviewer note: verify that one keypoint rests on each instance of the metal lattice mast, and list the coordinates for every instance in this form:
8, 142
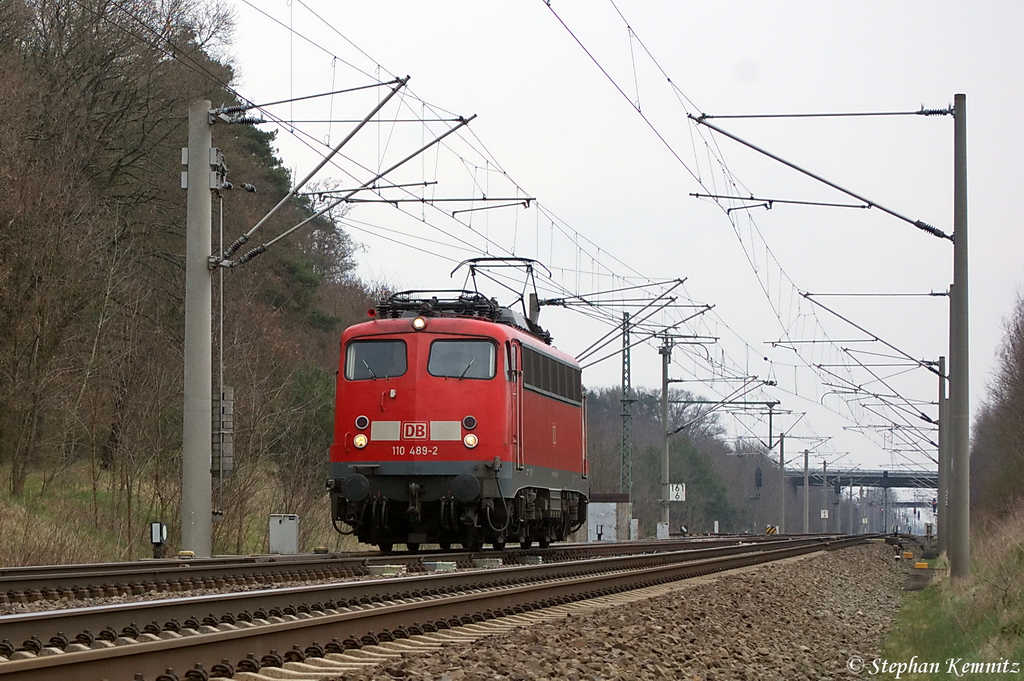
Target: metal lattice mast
626, 446
666, 358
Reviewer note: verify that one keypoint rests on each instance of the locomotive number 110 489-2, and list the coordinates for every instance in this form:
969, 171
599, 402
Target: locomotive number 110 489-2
417, 450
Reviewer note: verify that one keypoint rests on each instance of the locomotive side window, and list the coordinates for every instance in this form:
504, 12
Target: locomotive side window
462, 359
511, 362
372, 359
545, 374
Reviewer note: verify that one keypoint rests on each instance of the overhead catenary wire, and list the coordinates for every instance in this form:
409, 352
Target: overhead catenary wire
241, 241
920, 224
577, 268
261, 249
708, 144
241, 98
838, 114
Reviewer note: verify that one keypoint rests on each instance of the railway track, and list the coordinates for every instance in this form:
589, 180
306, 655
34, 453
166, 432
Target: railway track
82, 582
338, 623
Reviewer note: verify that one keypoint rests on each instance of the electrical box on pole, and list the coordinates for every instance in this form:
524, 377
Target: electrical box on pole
223, 463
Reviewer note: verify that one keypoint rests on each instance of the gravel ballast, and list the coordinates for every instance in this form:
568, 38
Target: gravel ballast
798, 619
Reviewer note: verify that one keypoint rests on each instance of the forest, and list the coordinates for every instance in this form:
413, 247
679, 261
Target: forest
92, 229
997, 443
737, 485
91, 303
92, 243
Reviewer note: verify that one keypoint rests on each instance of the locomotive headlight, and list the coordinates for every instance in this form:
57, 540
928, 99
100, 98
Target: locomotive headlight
360, 440
419, 323
470, 440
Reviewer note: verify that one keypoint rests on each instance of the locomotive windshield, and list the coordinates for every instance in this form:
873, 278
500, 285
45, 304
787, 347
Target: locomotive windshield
374, 359
462, 359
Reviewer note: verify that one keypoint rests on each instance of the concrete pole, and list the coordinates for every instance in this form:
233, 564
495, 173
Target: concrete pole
807, 494
666, 355
852, 514
959, 373
943, 505
862, 512
782, 485
839, 507
885, 509
824, 494
941, 531
197, 436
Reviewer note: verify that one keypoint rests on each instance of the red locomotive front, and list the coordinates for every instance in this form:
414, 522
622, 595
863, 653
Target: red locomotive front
456, 423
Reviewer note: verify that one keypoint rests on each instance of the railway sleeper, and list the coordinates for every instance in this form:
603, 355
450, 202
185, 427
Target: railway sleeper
108, 637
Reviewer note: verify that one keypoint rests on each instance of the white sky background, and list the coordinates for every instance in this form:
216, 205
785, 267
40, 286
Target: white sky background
565, 136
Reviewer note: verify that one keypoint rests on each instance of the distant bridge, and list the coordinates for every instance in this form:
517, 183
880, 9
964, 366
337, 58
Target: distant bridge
910, 504
861, 478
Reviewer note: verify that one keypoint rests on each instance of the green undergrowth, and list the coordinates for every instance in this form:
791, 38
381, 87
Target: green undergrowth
65, 522
966, 628
54, 524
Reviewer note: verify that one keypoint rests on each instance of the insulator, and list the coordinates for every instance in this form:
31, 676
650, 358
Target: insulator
931, 230
233, 248
259, 250
231, 109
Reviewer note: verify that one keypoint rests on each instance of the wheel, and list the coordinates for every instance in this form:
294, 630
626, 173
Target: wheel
413, 547
473, 545
543, 542
525, 542
385, 546
445, 545
498, 544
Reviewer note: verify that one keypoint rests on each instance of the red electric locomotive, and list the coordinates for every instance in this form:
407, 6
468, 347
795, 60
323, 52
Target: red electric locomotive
456, 423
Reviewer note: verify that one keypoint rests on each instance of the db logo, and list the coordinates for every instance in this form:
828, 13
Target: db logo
414, 431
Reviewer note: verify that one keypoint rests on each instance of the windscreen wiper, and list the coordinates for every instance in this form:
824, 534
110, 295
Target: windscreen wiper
463, 374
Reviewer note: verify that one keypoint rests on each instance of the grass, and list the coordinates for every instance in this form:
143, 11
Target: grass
979, 619
61, 525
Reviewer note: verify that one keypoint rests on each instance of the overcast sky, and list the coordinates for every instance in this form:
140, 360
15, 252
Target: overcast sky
613, 161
